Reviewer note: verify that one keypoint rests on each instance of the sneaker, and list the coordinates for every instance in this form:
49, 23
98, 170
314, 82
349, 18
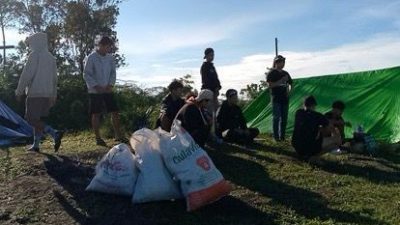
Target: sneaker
33, 149
57, 140
101, 142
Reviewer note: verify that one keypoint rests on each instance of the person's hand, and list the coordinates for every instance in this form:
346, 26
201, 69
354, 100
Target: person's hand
108, 88
53, 101
18, 98
285, 79
99, 89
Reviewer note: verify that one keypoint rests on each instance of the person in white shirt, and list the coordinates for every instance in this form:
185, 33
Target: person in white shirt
100, 75
39, 82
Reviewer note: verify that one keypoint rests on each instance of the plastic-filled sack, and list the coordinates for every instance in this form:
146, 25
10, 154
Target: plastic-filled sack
154, 181
201, 182
116, 172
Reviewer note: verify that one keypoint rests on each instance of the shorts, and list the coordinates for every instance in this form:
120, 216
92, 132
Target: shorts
37, 108
99, 102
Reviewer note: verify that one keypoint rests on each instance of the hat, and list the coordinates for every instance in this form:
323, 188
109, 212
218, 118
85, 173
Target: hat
205, 94
208, 51
230, 92
279, 58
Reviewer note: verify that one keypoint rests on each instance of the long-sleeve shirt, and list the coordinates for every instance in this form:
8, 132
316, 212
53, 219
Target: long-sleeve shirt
99, 71
230, 117
209, 77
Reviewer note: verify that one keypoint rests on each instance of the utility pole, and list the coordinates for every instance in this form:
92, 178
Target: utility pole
276, 46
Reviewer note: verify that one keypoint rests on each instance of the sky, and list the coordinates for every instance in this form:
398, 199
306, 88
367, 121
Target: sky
163, 40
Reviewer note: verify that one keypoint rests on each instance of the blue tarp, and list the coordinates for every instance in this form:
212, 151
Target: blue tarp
13, 128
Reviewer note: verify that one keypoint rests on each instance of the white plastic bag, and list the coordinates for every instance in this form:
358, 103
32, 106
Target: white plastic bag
116, 172
154, 181
200, 181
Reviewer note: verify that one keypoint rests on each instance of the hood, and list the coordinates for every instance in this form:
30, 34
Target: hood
38, 42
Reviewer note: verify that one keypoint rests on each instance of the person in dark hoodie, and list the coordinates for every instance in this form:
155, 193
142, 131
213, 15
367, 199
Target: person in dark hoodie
194, 118
209, 77
39, 82
231, 124
171, 105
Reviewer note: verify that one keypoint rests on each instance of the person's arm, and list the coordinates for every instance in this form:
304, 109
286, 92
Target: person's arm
27, 74
205, 78
290, 83
113, 76
88, 75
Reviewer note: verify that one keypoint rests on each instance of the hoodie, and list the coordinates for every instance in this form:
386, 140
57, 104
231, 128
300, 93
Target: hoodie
39, 77
99, 71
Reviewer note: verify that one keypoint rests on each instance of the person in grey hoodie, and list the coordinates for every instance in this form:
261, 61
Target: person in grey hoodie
39, 82
100, 75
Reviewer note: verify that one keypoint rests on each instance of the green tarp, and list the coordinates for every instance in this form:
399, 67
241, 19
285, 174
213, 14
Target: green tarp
371, 98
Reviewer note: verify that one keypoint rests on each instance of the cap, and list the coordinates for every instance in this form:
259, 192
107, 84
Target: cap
205, 94
208, 51
230, 93
279, 58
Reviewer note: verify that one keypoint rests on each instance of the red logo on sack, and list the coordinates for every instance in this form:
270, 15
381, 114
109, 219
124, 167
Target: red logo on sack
204, 162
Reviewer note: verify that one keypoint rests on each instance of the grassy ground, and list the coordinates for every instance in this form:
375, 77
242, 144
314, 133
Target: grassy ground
271, 186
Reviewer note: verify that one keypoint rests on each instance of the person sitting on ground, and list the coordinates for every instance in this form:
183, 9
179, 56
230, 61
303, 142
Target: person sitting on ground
193, 118
335, 117
231, 124
170, 105
312, 135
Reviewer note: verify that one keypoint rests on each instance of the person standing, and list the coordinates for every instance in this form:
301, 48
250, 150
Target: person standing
210, 81
279, 84
100, 76
39, 82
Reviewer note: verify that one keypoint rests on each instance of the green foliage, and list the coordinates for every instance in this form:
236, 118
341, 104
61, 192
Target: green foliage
253, 90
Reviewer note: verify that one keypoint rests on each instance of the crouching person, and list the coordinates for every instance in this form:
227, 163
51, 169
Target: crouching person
194, 117
231, 124
313, 135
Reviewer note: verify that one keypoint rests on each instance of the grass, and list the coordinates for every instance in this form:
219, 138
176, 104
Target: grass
271, 186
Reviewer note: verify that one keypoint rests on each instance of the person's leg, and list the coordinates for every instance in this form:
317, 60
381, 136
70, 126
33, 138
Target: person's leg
111, 107
276, 116
253, 132
96, 125
32, 116
283, 122
116, 125
38, 134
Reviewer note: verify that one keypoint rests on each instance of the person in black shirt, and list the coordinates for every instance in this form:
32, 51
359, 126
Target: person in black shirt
279, 84
231, 124
312, 135
194, 118
170, 105
335, 117
209, 76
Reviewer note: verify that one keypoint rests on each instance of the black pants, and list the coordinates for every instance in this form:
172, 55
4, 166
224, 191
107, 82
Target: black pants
241, 136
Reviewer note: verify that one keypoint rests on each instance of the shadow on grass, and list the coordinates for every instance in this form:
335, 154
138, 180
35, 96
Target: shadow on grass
309, 204
97, 208
368, 172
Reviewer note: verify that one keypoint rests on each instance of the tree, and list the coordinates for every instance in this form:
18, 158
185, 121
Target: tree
253, 90
7, 18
